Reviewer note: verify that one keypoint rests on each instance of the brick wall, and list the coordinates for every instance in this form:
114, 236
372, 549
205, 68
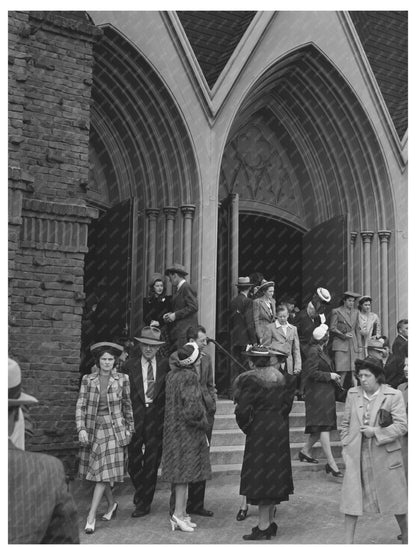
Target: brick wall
50, 79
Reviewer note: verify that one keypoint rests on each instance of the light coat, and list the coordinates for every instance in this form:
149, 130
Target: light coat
263, 316
275, 338
346, 349
386, 452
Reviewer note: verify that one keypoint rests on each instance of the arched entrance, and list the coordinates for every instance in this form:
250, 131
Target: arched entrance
302, 151
144, 181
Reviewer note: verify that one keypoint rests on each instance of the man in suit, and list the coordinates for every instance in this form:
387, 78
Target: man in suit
399, 347
242, 330
184, 305
147, 375
282, 336
41, 510
204, 370
394, 368
345, 343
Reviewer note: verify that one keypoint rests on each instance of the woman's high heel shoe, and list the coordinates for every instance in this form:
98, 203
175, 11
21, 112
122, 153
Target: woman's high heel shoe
242, 514
176, 522
187, 519
90, 527
306, 458
336, 473
111, 514
257, 534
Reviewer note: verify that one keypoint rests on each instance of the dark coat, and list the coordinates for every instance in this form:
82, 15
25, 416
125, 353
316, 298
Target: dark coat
154, 308
305, 326
267, 471
208, 391
242, 330
185, 307
41, 510
185, 455
400, 347
133, 368
320, 404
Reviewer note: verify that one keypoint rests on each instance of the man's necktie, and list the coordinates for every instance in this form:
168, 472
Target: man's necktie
150, 381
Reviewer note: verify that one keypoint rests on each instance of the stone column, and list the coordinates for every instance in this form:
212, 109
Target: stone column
367, 237
152, 214
384, 237
188, 211
170, 213
353, 237
234, 241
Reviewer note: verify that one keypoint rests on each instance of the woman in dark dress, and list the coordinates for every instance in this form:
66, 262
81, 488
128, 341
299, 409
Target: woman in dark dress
320, 402
264, 398
155, 306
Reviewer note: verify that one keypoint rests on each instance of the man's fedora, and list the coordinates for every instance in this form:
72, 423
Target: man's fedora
176, 269
150, 335
16, 395
244, 282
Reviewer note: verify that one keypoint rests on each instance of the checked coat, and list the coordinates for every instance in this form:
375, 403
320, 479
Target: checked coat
148, 431
40, 508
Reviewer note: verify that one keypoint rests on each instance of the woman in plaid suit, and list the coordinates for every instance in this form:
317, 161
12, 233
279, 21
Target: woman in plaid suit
104, 419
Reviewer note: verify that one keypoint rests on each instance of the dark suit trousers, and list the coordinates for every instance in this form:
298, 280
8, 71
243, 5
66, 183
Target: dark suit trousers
143, 466
196, 490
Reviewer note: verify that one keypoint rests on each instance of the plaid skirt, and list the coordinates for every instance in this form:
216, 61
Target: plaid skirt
104, 460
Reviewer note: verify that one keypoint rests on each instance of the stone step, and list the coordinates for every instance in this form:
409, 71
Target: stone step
227, 407
233, 454
298, 468
296, 420
236, 437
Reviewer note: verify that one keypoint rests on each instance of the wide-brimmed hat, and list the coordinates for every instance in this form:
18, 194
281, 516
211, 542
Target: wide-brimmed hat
16, 395
150, 335
364, 299
351, 294
105, 345
376, 344
323, 294
278, 353
188, 354
320, 332
258, 351
244, 282
265, 284
373, 364
176, 269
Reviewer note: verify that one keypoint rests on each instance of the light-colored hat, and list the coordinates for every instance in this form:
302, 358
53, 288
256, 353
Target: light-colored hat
190, 355
244, 282
16, 395
265, 284
375, 344
320, 332
257, 351
323, 294
176, 269
108, 344
351, 294
364, 298
150, 335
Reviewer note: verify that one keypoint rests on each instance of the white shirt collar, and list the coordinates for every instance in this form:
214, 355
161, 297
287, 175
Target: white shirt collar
371, 397
180, 284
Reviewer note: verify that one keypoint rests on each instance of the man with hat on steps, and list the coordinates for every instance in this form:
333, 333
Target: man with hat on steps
41, 510
184, 305
147, 375
242, 330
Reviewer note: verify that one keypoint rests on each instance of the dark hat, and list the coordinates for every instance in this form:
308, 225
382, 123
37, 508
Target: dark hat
258, 351
176, 269
277, 353
156, 277
369, 363
16, 395
376, 344
265, 284
351, 294
104, 344
244, 282
150, 335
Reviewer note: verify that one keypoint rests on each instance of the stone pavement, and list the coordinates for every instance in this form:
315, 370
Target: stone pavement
311, 516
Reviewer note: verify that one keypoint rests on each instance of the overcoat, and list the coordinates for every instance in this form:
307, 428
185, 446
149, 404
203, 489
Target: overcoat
320, 404
185, 307
185, 456
368, 326
305, 326
385, 448
119, 403
242, 330
263, 315
275, 338
346, 349
267, 471
208, 391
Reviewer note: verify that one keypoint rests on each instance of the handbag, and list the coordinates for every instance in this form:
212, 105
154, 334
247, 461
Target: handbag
340, 392
384, 418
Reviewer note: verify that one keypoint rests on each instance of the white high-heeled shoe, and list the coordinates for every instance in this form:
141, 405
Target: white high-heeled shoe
187, 519
111, 513
183, 525
90, 527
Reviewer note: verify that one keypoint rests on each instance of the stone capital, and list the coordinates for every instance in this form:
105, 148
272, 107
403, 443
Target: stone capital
188, 210
384, 236
152, 213
353, 236
367, 236
170, 212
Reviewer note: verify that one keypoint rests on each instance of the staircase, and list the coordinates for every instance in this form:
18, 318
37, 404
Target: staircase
227, 444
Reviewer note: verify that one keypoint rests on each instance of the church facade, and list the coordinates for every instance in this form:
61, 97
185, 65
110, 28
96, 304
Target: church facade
230, 142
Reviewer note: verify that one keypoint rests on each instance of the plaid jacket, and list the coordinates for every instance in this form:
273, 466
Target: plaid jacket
119, 403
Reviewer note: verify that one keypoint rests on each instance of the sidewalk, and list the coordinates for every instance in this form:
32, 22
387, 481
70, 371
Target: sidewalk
311, 516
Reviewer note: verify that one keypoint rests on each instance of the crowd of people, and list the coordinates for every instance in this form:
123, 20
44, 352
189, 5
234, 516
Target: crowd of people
157, 406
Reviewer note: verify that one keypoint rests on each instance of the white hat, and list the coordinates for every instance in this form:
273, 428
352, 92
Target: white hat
324, 294
320, 332
16, 395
